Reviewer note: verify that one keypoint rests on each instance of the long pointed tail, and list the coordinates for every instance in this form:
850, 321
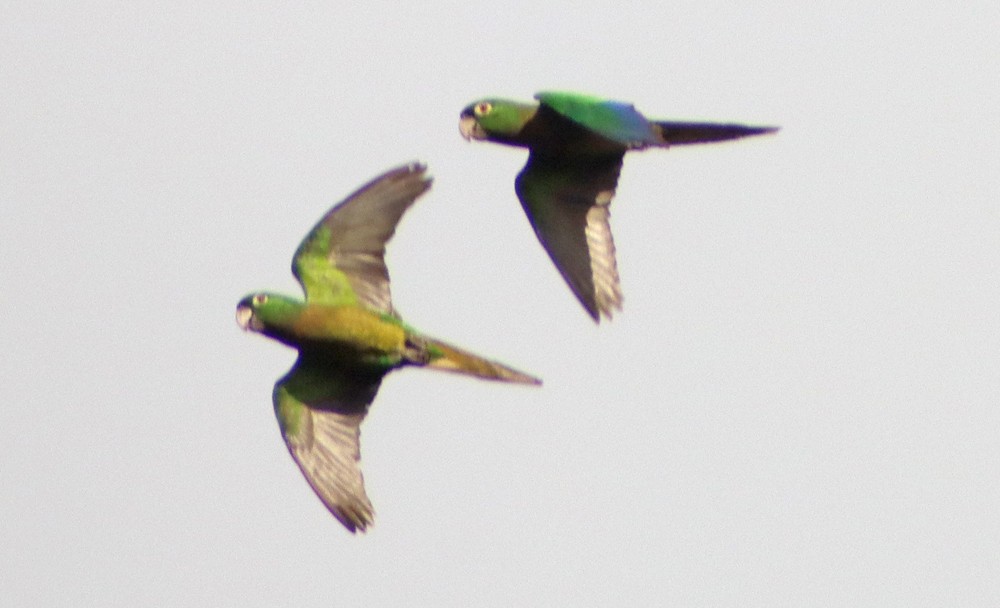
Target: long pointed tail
448, 358
678, 133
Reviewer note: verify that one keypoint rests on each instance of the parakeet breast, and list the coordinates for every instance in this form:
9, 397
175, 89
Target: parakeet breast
351, 331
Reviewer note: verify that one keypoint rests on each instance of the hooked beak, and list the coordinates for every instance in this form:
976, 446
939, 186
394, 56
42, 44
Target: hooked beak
244, 318
470, 128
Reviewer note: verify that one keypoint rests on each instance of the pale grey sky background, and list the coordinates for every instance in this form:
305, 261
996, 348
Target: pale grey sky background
797, 407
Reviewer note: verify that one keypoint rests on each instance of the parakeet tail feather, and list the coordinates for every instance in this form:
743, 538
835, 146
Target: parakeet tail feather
449, 358
677, 133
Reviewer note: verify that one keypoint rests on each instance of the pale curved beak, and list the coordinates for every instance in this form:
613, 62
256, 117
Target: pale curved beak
470, 129
244, 316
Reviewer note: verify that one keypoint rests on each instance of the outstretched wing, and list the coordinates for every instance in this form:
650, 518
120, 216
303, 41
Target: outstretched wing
613, 120
566, 199
320, 408
342, 260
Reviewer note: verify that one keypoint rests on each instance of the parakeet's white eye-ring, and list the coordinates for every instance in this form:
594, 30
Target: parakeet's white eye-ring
483, 108
260, 299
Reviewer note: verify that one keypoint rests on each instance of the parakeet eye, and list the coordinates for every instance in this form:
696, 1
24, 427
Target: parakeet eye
260, 299
483, 108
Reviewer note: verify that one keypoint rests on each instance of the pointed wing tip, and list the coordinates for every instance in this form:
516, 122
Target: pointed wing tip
354, 528
604, 305
353, 520
410, 178
415, 168
597, 315
594, 314
605, 314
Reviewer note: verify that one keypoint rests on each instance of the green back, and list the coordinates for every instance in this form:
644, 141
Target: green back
617, 121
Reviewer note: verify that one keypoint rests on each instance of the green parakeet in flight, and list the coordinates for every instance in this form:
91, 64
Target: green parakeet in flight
576, 146
348, 336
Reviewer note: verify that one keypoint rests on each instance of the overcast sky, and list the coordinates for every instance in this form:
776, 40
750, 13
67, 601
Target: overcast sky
798, 405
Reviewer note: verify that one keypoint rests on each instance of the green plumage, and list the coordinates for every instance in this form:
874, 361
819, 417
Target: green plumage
577, 144
348, 336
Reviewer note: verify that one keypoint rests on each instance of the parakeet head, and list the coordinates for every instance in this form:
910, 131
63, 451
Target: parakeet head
496, 119
267, 313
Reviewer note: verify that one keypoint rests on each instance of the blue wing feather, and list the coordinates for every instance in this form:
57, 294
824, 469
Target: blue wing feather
618, 121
